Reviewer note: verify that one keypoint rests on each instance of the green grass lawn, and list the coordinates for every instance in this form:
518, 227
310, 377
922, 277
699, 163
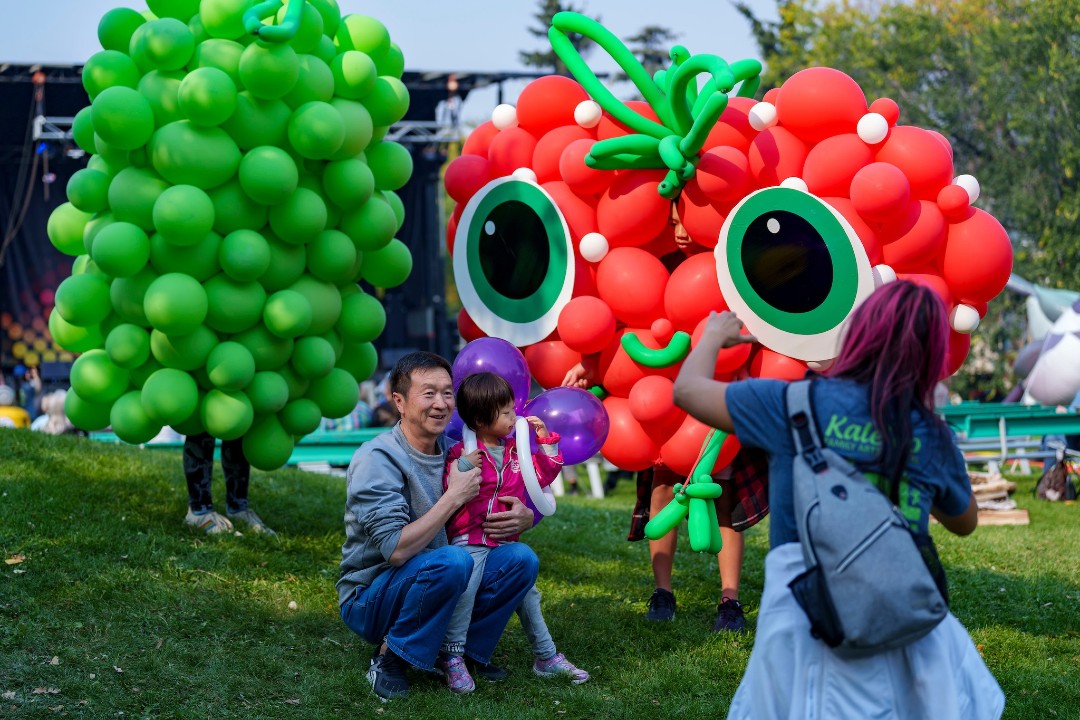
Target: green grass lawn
118, 610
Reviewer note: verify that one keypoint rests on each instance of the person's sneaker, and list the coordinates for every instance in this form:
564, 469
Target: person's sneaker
729, 616
487, 671
661, 606
253, 521
558, 665
387, 675
457, 675
209, 522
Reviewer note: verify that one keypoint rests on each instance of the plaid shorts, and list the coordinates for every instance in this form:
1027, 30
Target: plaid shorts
749, 484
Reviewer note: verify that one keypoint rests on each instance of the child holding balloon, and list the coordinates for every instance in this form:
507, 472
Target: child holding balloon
485, 402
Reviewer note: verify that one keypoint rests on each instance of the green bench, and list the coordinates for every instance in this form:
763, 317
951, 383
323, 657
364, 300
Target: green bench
994, 433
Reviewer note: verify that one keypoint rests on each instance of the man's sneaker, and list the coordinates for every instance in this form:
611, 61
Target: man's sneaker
457, 675
253, 521
558, 665
729, 616
387, 675
208, 521
661, 606
487, 671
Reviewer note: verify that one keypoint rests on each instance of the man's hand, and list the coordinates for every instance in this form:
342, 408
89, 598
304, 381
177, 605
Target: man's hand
462, 486
515, 520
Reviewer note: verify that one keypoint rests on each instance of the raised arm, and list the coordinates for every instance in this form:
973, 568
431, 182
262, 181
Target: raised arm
696, 389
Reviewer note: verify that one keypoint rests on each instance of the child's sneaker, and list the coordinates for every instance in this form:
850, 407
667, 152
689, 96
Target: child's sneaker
558, 665
730, 616
457, 675
208, 521
253, 521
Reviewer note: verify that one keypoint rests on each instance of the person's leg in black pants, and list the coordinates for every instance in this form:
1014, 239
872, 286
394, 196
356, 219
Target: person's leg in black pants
199, 472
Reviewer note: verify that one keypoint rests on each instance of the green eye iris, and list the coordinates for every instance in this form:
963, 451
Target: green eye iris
513, 261
793, 269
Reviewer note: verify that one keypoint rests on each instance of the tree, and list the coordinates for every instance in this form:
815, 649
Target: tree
652, 47
547, 59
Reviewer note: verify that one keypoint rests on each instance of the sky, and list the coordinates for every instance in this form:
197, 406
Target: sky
476, 35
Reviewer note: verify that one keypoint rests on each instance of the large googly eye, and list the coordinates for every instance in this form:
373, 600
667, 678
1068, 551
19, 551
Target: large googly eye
513, 261
793, 270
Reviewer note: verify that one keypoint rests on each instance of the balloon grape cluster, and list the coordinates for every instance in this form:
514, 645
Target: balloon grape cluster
239, 188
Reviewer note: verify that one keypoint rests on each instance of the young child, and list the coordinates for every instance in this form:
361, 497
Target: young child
485, 402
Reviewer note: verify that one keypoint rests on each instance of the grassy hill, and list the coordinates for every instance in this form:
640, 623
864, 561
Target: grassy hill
111, 607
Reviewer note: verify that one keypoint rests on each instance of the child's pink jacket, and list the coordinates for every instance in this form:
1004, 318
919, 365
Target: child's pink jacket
469, 520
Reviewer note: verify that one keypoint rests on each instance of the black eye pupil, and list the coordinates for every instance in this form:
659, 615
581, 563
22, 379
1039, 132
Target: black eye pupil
514, 249
787, 262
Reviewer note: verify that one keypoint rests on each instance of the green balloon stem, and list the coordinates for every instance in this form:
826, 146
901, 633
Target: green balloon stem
281, 33
677, 349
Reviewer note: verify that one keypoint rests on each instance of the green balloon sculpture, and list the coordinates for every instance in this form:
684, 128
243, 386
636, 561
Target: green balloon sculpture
235, 196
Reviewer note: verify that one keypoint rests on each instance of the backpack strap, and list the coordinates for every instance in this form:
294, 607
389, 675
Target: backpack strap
800, 413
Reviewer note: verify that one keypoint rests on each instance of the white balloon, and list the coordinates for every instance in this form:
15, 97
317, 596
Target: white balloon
587, 114
504, 116
964, 319
970, 184
593, 247
795, 183
524, 173
883, 275
872, 128
762, 116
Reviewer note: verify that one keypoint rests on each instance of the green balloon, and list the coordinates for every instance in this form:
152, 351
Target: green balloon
363, 33
372, 225
97, 378
175, 304
363, 318
226, 415
287, 263
115, 156
188, 154
388, 267
268, 175
116, 27
183, 352
270, 351
198, 31
336, 393
122, 117
390, 163
169, 396
354, 74
336, 342
167, 43
121, 249
235, 210
287, 314
359, 360
207, 96
394, 200
331, 15
74, 338
183, 214
224, 18
269, 70
106, 69
65, 228
161, 89
106, 165
300, 417
316, 130
325, 301
179, 9
200, 260
331, 256
230, 366
82, 130
325, 50
83, 299
268, 392
141, 372
300, 218
244, 255
88, 190
84, 414
257, 122
316, 82
133, 193
266, 445
233, 306
313, 357
358, 128
127, 296
221, 54
309, 31
298, 385
130, 422
137, 50
392, 63
388, 101
128, 345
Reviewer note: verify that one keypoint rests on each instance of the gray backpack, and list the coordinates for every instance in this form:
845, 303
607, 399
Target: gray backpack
867, 586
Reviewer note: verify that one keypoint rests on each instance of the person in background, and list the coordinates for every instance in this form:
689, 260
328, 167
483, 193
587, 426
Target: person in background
198, 460
11, 415
53, 420
385, 412
360, 417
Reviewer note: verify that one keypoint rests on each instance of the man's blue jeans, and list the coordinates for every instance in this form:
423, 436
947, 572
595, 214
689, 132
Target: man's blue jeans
410, 606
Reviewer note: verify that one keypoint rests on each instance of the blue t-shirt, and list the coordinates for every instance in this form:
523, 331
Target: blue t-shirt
935, 475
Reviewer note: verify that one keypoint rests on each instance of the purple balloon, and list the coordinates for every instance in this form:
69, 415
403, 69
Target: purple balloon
454, 427
495, 355
579, 418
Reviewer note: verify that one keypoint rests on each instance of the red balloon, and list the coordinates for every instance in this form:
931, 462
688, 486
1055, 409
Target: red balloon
770, 364
511, 149
954, 202
693, 292
867, 234
632, 283
930, 277
631, 211
729, 360
922, 234
581, 178
886, 108
586, 324
880, 192
549, 102
775, 155
723, 173
959, 346
733, 128
978, 258
579, 213
584, 277
451, 227
465, 175
702, 218
819, 102
549, 150
628, 446
609, 127
833, 162
683, 448
479, 140
925, 160
619, 373
549, 361
468, 329
652, 400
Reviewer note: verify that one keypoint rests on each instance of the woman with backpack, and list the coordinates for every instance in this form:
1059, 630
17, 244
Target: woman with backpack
874, 409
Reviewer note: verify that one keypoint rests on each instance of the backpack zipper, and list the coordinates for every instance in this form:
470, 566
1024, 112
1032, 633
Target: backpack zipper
861, 547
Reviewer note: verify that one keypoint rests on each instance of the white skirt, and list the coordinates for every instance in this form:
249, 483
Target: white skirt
793, 676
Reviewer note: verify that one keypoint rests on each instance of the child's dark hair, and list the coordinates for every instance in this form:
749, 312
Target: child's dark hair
480, 398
